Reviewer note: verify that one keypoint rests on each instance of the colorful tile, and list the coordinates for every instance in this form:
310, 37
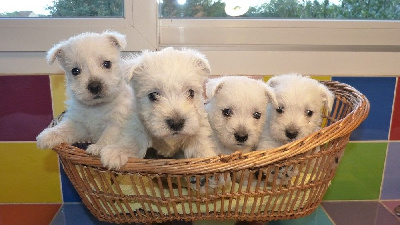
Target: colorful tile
317, 217
28, 175
22, 214
364, 212
68, 190
26, 107
379, 91
72, 214
317, 77
395, 127
359, 174
57, 83
391, 181
390, 205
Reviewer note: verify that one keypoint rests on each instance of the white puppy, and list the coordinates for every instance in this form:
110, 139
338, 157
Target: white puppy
99, 100
301, 101
236, 110
168, 86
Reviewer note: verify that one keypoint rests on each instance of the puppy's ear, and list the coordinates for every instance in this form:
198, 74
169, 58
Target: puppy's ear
117, 39
327, 97
55, 52
270, 92
132, 66
213, 86
199, 61
273, 82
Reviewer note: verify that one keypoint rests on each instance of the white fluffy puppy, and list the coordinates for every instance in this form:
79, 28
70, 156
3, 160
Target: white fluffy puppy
99, 100
299, 112
236, 110
168, 85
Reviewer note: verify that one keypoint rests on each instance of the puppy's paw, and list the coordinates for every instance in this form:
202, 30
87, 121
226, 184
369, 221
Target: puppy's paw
48, 139
114, 158
94, 149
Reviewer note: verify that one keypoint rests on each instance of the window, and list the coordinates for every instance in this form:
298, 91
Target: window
25, 40
285, 9
62, 8
234, 45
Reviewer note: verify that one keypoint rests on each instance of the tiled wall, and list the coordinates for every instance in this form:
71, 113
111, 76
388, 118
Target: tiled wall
368, 171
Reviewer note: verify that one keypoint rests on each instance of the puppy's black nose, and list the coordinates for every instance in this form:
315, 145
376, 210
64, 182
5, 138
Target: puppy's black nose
95, 87
175, 124
240, 137
291, 134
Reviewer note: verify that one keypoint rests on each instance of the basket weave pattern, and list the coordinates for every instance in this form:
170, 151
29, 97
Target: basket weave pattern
156, 190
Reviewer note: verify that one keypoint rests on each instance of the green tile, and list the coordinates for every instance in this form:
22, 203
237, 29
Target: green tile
359, 174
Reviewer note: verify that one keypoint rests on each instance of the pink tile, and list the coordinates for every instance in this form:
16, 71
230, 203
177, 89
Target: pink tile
25, 103
395, 127
359, 212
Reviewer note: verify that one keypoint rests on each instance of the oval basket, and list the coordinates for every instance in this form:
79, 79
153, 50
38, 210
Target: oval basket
156, 190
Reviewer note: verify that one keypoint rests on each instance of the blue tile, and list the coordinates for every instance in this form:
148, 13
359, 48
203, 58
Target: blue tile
391, 181
380, 93
68, 190
75, 214
317, 217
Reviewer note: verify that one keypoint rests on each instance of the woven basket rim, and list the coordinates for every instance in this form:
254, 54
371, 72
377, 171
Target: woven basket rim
238, 160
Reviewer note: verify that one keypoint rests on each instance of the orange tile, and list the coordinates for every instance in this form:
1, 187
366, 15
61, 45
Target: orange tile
33, 214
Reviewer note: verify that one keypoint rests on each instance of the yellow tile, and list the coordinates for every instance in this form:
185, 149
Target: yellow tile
57, 83
321, 78
28, 175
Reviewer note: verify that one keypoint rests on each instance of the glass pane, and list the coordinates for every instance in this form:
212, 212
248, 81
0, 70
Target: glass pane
62, 8
284, 9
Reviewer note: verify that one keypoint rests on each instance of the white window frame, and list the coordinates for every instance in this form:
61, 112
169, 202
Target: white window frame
24, 41
314, 47
233, 46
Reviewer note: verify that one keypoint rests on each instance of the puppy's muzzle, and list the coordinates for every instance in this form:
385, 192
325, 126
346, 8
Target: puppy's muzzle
175, 124
95, 87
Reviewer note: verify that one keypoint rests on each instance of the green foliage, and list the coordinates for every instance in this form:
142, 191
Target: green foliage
303, 9
87, 8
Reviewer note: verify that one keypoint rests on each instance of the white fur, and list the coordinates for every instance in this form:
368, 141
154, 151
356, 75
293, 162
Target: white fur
171, 75
104, 116
169, 87
245, 99
296, 96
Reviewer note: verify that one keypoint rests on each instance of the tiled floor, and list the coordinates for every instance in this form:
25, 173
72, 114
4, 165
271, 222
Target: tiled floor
329, 213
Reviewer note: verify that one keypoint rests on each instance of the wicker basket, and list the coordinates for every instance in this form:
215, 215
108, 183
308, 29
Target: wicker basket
155, 190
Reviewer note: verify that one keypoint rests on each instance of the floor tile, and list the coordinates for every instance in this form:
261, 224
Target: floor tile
390, 205
359, 213
319, 217
380, 93
28, 175
27, 107
359, 174
23, 214
395, 126
391, 181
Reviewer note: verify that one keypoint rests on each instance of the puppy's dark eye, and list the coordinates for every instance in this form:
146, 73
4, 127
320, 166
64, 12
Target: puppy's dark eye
107, 64
75, 71
190, 93
227, 112
257, 115
309, 113
280, 110
153, 96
